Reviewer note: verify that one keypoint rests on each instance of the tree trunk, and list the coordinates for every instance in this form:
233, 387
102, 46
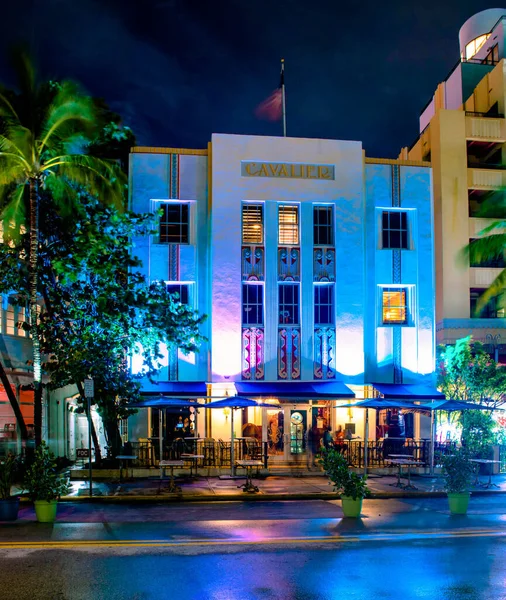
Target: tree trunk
14, 403
78, 384
94, 436
33, 266
113, 436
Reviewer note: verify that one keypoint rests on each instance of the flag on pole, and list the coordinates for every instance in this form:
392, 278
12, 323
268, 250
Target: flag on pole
271, 109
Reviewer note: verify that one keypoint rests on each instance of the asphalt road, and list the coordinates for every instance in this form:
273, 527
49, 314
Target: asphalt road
302, 551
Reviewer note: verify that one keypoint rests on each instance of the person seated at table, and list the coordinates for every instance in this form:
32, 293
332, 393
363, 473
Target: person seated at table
339, 444
327, 438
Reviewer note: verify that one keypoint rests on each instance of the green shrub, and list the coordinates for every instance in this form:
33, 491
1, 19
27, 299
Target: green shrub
345, 481
457, 472
42, 479
9, 468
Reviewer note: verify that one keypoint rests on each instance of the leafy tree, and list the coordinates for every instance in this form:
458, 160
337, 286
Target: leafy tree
98, 306
45, 129
466, 372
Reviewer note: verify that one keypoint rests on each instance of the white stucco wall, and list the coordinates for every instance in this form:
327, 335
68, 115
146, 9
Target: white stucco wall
230, 188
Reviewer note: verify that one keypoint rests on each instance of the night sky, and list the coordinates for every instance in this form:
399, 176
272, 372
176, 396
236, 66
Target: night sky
179, 70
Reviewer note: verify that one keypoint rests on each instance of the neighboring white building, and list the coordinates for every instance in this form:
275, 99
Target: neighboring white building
314, 264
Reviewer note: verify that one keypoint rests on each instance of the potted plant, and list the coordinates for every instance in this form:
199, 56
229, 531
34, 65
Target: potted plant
9, 505
44, 484
349, 485
457, 473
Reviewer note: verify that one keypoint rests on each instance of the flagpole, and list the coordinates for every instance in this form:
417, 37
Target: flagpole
283, 95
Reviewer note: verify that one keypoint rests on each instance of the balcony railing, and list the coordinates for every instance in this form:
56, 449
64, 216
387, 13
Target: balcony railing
483, 178
481, 127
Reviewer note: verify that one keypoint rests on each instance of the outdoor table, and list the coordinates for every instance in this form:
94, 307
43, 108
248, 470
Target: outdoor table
163, 464
400, 462
124, 458
248, 465
193, 458
484, 461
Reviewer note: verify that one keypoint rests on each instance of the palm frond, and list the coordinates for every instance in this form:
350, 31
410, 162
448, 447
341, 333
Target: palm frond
495, 289
7, 110
70, 113
12, 169
13, 215
486, 248
101, 178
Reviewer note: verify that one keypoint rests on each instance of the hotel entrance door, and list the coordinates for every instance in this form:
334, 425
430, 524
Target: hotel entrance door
285, 430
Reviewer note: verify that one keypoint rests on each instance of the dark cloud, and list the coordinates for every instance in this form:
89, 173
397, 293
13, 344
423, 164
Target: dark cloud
179, 70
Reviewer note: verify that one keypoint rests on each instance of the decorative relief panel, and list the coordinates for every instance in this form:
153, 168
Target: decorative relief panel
253, 367
253, 268
324, 353
288, 264
173, 363
324, 264
289, 353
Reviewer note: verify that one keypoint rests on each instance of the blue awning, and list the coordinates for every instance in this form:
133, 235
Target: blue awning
294, 389
409, 391
181, 389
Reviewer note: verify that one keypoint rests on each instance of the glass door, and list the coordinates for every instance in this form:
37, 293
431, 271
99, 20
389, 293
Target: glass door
274, 422
298, 428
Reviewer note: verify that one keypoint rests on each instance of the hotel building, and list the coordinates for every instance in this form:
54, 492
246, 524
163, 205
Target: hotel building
314, 265
463, 135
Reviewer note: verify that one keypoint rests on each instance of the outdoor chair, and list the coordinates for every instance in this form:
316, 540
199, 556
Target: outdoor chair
209, 452
224, 452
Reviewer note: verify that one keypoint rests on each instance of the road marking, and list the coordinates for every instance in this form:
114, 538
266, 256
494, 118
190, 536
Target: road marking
34, 545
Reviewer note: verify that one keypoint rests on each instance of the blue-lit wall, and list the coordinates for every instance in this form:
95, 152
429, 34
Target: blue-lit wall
168, 176
409, 347
366, 351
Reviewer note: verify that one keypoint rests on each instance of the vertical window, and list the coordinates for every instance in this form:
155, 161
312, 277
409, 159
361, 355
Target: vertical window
288, 303
324, 304
252, 223
395, 229
9, 321
323, 226
21, 319
252, 304
182, 290
394, 306
174, 223
288, 216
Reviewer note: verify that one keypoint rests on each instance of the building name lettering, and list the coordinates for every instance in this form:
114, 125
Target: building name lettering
286, 170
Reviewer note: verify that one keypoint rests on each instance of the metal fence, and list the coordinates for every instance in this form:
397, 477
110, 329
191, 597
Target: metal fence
216, 453
379, 450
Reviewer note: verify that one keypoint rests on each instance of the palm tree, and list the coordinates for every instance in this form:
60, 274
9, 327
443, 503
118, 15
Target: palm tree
44, 132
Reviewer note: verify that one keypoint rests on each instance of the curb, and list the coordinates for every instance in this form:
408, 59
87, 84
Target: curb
260, 497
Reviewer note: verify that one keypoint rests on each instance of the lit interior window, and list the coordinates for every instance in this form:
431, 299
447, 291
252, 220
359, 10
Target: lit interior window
474, 46
288, 225
252, 224
394, 306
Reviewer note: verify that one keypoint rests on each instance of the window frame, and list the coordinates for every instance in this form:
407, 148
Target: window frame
249, 207
285, 228
248, 305
327, 227
318, 306
286, 306
183, 237
389, 231
182, 286
389, 289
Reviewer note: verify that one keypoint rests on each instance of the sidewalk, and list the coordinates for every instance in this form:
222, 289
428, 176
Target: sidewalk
271, 487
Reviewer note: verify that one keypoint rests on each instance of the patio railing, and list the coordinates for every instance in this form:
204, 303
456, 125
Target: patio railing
216, 453
379, 450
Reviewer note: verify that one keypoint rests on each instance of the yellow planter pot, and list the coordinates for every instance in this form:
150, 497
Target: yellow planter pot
351, 507
46, 510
